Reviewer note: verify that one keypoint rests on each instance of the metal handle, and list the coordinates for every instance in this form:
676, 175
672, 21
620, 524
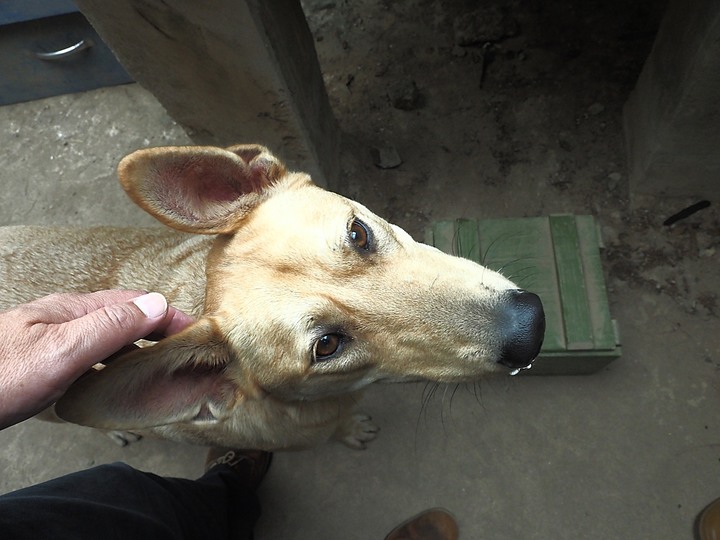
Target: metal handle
67, 52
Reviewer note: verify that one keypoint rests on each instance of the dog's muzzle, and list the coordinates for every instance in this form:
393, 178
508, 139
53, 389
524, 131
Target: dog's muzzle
522, 327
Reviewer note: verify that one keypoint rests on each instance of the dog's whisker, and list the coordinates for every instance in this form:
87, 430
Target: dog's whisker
484, 257
442, 410
454, 248
431, 395
452, 397
524, 272
522, 275
478, 394
509, 263
427, 394
476, 391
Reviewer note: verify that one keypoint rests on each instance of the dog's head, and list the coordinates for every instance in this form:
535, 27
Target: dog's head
308, 295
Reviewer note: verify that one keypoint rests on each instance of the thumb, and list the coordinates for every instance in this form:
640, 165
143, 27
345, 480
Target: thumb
103, 332
152, 305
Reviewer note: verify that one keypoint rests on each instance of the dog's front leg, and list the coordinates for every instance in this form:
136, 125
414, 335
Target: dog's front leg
356, 430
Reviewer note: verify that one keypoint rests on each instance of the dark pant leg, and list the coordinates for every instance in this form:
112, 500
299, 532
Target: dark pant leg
117, 501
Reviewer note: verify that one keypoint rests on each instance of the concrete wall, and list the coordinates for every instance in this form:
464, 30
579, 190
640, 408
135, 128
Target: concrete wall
672, 118
229, 72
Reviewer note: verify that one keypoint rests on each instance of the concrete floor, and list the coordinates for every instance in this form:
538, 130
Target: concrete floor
630, 452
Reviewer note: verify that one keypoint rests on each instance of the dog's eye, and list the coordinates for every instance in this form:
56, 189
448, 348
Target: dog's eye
327, 346
359, 235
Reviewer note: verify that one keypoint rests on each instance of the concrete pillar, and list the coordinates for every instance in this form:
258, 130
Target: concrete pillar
229, 71
672, 118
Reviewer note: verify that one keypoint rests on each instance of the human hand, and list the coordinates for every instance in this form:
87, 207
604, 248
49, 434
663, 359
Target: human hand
47, 344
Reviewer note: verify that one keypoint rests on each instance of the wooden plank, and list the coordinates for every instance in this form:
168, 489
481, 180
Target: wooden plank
602, 325
571, 282
522, 250
467, 239
525, 251
442, 236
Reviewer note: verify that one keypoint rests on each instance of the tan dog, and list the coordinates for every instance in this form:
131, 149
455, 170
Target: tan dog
302, 298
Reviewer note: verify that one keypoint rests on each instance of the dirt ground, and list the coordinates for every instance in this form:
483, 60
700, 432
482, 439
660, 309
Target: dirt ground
452, 109
474, 101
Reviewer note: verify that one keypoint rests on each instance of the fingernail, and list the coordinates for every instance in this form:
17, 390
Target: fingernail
153, 305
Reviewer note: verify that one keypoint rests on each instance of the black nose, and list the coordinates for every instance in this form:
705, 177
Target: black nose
522, 327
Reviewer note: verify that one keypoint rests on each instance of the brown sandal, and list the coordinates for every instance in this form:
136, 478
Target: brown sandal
433, 524
707, 524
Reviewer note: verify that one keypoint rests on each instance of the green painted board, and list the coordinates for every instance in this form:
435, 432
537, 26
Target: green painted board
604, 331
558, 258
571, 281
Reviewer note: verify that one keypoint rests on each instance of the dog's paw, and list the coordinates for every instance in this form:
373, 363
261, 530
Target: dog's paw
357, 431
123, 438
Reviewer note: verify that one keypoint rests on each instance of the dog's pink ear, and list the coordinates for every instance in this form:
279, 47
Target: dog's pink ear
182, 378
200, 189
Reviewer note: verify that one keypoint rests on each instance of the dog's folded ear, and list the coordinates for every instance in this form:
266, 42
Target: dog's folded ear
182, 378
199, 189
